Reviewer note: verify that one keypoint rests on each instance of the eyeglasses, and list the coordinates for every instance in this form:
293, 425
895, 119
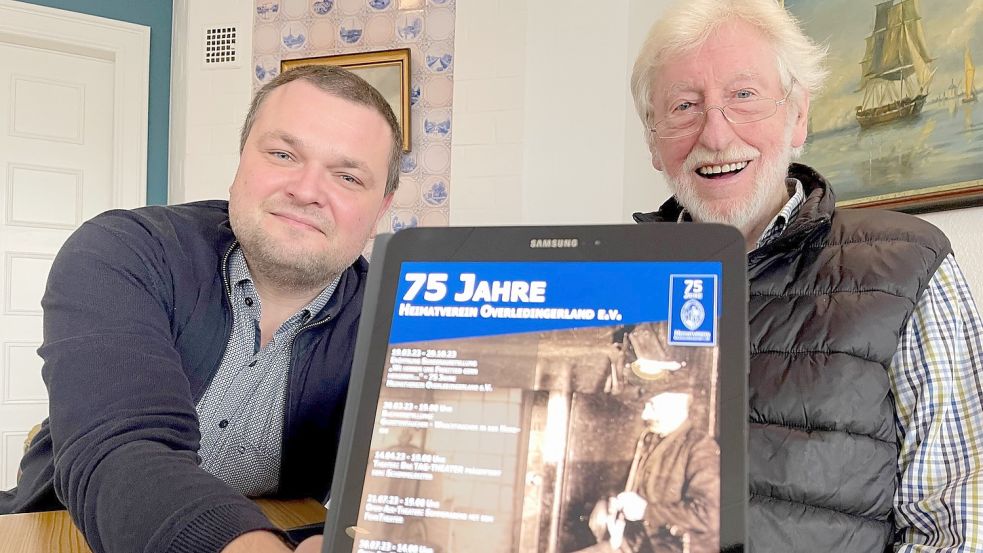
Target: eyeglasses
690, 122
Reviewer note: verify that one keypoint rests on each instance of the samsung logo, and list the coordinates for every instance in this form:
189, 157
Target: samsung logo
553, 243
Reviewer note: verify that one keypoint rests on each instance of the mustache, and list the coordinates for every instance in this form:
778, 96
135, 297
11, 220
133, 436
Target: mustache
701, 156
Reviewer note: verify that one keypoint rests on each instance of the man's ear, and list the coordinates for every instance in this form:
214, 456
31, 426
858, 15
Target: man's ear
386, 202
800, 129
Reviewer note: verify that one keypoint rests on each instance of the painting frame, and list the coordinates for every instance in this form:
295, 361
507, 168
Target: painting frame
394, 65
907, 182
938, 198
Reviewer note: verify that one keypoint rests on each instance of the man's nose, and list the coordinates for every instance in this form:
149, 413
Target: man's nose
717, 132
308, 186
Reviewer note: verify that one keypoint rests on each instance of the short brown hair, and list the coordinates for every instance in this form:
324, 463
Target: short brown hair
343, 84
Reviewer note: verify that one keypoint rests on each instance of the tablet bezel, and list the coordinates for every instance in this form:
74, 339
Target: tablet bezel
667, 242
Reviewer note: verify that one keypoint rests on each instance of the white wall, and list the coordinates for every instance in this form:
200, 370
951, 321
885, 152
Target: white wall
208, 104
644, 188
544, 129
573, 167
489, 114
963, 229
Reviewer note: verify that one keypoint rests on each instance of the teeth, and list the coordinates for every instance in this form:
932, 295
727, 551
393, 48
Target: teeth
717, 169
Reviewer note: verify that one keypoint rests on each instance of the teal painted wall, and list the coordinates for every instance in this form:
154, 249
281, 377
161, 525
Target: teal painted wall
155, 14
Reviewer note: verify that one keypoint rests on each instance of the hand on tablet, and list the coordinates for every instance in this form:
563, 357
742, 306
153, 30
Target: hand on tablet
310, 545
257, 541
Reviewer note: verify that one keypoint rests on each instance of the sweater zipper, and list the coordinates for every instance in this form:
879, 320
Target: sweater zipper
225, 270
228, 296
286, 399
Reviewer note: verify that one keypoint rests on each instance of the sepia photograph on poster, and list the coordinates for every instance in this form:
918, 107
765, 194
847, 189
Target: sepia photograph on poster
592, 427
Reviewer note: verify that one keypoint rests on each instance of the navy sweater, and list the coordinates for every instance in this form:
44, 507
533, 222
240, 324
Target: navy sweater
136, 320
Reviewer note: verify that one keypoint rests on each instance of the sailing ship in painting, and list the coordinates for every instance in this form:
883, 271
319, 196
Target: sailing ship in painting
970, 94
897, 70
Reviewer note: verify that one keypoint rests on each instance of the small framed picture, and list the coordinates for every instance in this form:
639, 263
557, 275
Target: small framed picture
386, 70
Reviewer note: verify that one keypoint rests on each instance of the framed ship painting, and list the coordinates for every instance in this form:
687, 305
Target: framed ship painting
899, 124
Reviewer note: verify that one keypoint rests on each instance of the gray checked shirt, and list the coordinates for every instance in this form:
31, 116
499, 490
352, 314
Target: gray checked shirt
241, 413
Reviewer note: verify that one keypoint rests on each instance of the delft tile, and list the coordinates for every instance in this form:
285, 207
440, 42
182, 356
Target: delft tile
323, 36
380, 30
403, 218
407, 195
434, 218
321, 8
438, 91
440, 24
409, 26
437, 124
266, 39
350, 30
435, 191
407, 163
439, 59
294, 9
436, 158
267, 10
350, 7
293, 35
266, 68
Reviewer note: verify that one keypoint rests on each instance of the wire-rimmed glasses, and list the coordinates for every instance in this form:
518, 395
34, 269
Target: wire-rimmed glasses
738, 113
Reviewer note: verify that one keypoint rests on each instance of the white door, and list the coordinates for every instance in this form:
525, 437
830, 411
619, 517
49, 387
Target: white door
62, 102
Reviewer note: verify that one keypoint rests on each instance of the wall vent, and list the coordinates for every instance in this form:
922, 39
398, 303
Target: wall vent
220, 46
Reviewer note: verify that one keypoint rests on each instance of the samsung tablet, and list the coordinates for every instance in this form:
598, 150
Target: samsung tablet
547, 389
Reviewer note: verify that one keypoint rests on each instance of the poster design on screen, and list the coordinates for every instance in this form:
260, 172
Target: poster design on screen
539, 407
693, 309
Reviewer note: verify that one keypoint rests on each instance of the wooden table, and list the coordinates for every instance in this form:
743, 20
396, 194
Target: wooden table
54, 532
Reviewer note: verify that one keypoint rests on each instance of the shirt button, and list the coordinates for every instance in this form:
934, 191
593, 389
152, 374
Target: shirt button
249, 301
223, 423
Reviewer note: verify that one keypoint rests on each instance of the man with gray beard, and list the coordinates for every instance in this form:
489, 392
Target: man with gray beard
197, 355
866, 345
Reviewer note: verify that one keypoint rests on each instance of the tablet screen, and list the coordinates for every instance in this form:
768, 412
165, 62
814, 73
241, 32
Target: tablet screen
547, 406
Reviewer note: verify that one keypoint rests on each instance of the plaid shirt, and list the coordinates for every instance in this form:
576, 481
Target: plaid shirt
937, 380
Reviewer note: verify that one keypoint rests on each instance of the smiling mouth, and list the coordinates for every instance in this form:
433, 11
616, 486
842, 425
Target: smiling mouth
718, 171
296, 221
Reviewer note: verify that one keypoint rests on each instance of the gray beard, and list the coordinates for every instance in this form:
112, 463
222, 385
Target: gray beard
752, 208
768, 183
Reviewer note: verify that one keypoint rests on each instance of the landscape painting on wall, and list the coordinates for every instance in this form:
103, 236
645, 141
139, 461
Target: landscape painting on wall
899, 123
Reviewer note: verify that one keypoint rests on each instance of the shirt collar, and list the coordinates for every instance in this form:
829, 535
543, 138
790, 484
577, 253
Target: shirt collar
785, 215
240, 277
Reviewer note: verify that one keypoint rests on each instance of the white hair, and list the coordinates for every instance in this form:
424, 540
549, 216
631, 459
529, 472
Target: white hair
688, 24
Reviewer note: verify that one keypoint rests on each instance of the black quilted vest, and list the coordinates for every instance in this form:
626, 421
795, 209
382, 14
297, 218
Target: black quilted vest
828, 302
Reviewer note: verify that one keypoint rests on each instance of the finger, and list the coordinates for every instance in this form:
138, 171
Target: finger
310, 545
